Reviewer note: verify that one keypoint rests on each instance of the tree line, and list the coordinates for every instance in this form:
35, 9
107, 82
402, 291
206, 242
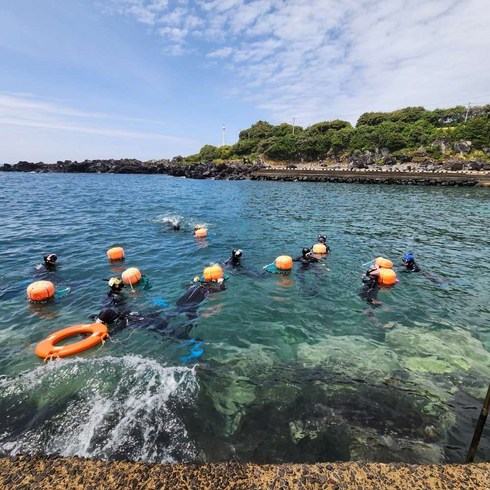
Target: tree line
399, 132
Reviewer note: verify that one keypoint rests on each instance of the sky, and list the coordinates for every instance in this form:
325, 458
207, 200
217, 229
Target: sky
152, 79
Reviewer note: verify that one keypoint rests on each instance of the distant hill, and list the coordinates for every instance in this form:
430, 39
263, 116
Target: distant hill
390, 137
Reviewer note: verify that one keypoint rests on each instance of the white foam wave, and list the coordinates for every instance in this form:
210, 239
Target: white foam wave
114, 407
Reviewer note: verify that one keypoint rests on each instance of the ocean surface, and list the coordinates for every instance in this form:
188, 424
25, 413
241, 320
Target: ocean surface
276, 368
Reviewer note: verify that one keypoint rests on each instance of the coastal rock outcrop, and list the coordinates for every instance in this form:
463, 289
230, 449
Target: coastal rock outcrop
174, 167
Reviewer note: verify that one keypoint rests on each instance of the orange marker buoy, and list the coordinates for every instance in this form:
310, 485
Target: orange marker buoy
115, 253
131, 276
386, 277
213, 273
319, 248
284, 263
201, 232
384, 263
40, 290
47, 348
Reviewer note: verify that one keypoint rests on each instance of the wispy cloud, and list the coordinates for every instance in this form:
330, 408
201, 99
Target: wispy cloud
25, 110
319, 59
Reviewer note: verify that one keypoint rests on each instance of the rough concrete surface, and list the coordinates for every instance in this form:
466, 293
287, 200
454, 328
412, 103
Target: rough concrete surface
28, 472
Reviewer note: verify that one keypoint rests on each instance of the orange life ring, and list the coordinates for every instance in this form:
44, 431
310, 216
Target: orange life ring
47, 348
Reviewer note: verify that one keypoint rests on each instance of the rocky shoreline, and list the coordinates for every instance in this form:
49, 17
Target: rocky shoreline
34, 472
452, 173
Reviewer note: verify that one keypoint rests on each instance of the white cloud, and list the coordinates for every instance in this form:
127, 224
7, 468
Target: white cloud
322, 59
220, 53
25, 111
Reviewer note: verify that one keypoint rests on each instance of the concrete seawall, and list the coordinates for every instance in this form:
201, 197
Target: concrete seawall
469, 179
26, 472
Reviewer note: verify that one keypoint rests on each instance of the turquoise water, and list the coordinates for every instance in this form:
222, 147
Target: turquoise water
295, 368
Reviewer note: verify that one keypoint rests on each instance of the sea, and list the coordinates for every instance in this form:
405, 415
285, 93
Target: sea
276, 368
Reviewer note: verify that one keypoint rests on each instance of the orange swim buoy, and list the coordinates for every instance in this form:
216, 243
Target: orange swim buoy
201, 232
386, 277
131, 276
213, 273
115, 253
384, 263
319, 248
40, 290
284, 263
47, 348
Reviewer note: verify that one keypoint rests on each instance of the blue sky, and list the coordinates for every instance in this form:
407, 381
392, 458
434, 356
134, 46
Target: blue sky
151, 79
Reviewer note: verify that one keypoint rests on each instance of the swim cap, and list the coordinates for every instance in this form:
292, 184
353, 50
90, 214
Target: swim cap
322, 238
107, 315
236, 252
408, 257
305, 251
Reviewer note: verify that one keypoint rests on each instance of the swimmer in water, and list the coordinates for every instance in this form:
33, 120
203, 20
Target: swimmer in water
306, 257
370, 288
409, 262
119, 320
234, 259
323, 240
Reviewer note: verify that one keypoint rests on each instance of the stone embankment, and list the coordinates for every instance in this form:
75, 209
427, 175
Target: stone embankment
242, 171
26, 472
446, 178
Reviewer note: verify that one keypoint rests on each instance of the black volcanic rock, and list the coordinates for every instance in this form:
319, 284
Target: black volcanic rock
227, 170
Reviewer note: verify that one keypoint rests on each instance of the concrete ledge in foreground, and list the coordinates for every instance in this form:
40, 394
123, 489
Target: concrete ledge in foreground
470, 179
26, 472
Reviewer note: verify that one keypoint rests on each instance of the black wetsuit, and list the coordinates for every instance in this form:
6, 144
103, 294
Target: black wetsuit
306, 260
371, 287
134, 319
411, 266
194, 295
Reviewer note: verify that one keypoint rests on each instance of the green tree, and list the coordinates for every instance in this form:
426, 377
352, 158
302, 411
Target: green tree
208, 153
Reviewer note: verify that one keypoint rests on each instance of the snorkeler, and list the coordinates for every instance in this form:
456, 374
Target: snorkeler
50, 261
48, 266
409, 262
119, 320
322, 239
370, 287
306, 257
196, 293
114, 295
234, 259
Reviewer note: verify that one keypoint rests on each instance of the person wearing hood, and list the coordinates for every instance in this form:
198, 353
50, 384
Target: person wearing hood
306, 257
409, 262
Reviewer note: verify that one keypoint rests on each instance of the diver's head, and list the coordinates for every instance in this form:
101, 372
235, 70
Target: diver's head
50, 259
236, 254
176, 227
305, 251
322, 239
115, 284
409, 258
106, 316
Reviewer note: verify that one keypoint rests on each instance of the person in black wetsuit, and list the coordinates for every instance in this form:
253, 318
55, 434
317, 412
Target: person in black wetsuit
234, 259
323, 240
50, 261
370, 287
115, 294
119, 320
195, 294
409, 263
306, 257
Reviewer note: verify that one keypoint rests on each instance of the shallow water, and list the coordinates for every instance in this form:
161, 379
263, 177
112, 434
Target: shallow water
295, 368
